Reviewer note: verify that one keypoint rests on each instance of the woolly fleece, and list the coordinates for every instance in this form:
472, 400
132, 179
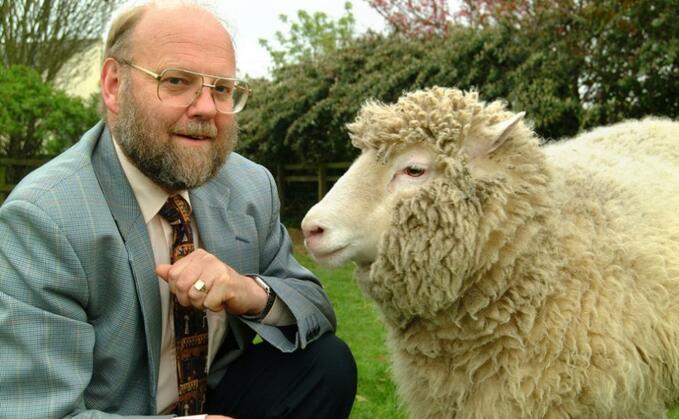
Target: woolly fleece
535, 281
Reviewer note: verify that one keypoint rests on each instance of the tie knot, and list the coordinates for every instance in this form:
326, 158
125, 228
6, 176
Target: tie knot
176, 210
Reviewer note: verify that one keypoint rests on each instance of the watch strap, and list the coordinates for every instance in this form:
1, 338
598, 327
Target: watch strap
270, 300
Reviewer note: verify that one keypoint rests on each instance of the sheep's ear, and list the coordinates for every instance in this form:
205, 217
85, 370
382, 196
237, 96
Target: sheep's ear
501, 130
496, 136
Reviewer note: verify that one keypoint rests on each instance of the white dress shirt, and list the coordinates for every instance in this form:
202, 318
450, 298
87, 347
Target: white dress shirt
151, 198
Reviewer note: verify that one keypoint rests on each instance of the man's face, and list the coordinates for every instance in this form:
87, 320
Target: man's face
151, 144
178, 148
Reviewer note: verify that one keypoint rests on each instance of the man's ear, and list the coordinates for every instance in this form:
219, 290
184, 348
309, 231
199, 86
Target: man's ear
493, 138
110, 84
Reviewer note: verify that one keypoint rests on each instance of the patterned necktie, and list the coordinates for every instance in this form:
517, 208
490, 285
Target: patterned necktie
190, 324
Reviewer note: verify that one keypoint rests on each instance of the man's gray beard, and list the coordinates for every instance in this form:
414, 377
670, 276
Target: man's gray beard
169, 165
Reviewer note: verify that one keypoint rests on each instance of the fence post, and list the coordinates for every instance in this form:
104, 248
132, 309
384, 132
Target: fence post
2, 173
3, 193
322, 180
280, 183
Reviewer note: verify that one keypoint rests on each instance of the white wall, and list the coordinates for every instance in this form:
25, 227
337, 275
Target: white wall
80, 75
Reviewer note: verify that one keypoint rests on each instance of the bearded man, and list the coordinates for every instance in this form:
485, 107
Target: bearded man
137, 267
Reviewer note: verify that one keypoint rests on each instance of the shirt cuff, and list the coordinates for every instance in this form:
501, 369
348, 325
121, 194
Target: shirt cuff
279, 315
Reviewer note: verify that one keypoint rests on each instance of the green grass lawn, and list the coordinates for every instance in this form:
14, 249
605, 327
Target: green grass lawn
359, 326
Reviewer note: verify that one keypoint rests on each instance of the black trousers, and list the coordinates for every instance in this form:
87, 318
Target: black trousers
318, 381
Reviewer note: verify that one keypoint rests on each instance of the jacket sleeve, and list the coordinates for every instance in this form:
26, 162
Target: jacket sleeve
46, 338
293, 284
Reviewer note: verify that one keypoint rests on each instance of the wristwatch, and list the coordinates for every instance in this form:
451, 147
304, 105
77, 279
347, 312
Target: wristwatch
270, 299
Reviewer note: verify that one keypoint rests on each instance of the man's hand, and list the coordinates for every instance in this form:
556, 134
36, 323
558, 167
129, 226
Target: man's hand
225, 289
218, 417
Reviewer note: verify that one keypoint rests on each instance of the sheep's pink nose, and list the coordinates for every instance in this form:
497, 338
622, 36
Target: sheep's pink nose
312, 232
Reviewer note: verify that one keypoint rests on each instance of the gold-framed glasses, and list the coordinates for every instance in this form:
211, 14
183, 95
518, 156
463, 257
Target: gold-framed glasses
179, 88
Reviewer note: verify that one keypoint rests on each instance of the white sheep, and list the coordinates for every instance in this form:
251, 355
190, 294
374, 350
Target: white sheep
516, 280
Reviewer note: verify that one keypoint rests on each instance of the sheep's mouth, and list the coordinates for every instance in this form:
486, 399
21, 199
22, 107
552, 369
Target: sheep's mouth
325, 256
331, 253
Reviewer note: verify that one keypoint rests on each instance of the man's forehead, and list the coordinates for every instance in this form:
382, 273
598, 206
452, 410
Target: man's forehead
180, 22
182, 37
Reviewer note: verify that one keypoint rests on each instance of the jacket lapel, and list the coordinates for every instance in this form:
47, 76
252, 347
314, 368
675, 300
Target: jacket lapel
221, 233
222, 229
130, 222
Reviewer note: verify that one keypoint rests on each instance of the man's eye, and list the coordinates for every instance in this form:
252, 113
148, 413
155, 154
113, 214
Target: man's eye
222, 89
414, 171
175, 81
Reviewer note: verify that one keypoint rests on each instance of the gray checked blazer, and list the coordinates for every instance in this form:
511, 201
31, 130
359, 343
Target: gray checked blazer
80, 323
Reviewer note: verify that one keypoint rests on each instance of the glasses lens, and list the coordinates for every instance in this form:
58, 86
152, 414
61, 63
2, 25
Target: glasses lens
178, 88
230, 95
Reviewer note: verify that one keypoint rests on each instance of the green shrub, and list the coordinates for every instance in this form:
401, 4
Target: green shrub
35, 118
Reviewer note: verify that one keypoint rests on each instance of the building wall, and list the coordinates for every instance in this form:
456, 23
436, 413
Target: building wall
80, 75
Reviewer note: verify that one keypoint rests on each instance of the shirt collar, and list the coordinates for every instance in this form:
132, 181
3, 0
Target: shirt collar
150, 196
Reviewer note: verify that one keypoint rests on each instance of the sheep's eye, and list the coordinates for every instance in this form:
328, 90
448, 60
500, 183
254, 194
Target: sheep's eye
414, 171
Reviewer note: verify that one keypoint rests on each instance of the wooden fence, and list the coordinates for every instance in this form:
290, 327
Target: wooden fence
323, 175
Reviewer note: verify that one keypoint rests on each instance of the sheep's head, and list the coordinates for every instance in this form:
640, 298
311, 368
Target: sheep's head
410, 207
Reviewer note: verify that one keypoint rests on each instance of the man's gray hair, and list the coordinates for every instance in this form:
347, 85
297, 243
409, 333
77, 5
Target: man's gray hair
118, 40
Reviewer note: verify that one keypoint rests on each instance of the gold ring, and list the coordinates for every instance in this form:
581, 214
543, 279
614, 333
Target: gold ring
200, 286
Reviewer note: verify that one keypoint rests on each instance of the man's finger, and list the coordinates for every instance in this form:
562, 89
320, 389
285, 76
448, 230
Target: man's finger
163, 270
197, 296
213, 301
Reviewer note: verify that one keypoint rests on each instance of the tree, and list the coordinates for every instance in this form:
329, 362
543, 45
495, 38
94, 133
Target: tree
569, 67
44, 34
484, 13
35, 118
631, 59
622, 56
569, 64
312, 36
415, 17
300, 116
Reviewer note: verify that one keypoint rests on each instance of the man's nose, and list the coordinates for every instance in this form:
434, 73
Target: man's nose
203, 105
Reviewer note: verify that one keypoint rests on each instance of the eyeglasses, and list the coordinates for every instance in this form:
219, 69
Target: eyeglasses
179, 88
